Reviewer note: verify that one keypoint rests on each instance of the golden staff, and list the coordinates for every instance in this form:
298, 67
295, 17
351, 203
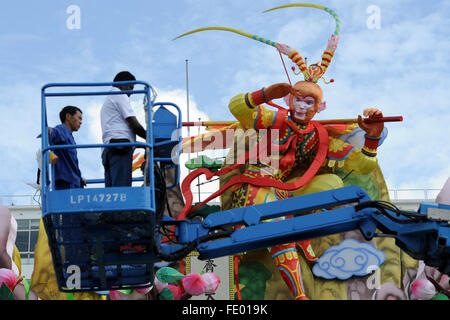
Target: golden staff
334, 121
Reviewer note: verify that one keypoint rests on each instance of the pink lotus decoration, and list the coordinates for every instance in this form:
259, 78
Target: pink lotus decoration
177, 292
118, 295
423, 289
143, 291
212, 282
8, 277
194, 284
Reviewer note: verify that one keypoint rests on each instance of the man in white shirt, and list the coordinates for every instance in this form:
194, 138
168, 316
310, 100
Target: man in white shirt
119, 124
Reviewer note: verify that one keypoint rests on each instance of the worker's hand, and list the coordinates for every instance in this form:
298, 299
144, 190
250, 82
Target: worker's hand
372, 129
53, 158
83, 182
278, 91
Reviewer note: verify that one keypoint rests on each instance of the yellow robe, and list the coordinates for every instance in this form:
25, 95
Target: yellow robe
43, 279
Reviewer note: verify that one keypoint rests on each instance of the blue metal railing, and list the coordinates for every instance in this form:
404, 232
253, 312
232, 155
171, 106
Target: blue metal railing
173, 158
46, 147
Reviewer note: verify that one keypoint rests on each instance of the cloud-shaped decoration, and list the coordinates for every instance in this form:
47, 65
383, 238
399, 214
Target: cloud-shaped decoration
349, 258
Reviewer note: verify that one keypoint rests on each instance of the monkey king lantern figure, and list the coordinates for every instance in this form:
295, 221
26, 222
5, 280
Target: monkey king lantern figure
300, 154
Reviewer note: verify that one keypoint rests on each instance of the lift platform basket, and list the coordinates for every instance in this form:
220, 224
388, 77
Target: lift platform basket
103, 238
101, 249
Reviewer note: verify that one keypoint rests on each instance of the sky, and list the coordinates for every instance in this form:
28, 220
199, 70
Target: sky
393, 55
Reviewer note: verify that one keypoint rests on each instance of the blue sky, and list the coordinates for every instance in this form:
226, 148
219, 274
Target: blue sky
401, 68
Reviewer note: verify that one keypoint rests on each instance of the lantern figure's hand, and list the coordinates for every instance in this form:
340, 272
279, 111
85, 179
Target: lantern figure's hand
279, 90
372, 129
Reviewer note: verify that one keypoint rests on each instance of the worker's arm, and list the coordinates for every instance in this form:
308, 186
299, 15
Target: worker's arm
136, 127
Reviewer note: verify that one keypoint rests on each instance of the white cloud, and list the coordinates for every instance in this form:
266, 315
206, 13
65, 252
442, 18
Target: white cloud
398, 69
20, 124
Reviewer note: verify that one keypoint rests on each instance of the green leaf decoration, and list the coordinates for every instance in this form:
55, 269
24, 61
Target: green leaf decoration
204, 162
125, 291
5, 293
203, 211
440, 296
26, 284
166, 294
168, 275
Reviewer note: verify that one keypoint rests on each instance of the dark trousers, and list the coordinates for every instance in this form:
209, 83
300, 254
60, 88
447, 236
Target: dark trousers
63, 185
118, 167
70, 226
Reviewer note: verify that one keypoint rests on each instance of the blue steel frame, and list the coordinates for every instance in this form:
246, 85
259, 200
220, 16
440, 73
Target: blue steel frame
427, 240
180, 146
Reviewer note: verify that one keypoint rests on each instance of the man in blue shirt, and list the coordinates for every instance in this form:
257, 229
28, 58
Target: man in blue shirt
67, 172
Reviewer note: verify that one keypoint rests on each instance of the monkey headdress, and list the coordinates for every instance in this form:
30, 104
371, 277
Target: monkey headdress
312, 73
